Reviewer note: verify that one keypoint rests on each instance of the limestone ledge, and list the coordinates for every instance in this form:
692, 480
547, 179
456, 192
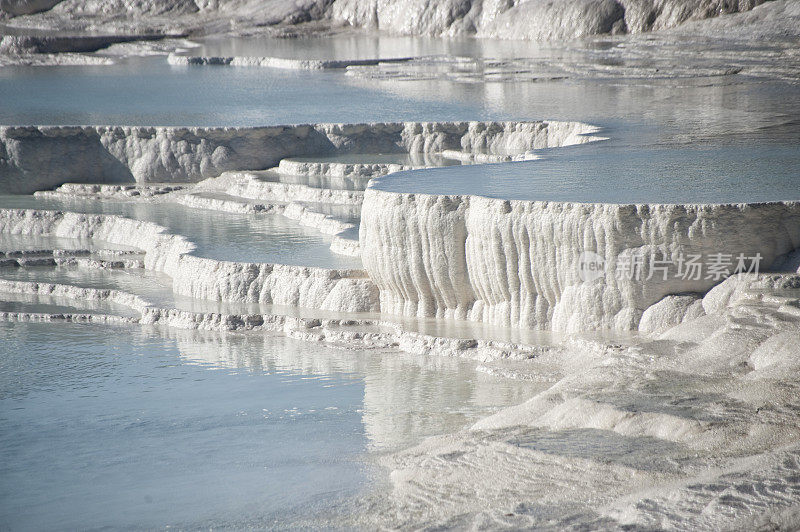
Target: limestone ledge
515, 263
42, 157
203, 278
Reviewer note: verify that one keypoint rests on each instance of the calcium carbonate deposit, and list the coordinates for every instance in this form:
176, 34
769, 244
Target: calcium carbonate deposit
400, 264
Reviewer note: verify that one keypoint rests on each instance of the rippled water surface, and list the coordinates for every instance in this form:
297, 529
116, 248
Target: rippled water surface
124, 427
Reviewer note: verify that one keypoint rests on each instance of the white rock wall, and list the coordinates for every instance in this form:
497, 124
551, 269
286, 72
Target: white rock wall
528, 19
504, 19
12, 8
413, 247
515, 263
42, 157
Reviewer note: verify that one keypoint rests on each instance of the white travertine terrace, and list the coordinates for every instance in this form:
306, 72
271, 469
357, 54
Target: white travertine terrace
692, 425
247, 185
203, 278
362, 332
278, 62
739, 363
506, 263
42, 157
515, 263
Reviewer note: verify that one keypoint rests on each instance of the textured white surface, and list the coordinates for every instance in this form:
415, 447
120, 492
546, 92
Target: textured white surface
514, 263
531, 19
696, 429
162, 16
671, 311
333, 169
526, 19
247, 185
277, 62
41, 157
201, 278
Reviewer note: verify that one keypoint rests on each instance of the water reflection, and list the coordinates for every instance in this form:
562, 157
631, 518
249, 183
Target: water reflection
120, 426
687, 140
406, 397
269, 238
45, 304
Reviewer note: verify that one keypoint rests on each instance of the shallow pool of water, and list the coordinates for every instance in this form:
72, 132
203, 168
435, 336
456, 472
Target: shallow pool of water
44, 304
610, 173
155, 287
723, 138
218, 235
146, 428
150, 92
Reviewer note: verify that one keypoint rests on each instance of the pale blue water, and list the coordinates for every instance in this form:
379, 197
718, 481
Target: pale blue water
150, 92
610, 173
124, 427
112, 428
265, 238
705, 139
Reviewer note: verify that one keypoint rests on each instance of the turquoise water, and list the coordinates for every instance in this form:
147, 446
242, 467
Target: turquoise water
124, 427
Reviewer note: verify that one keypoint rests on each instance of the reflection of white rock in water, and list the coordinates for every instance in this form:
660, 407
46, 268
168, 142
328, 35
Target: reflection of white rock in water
396, 411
